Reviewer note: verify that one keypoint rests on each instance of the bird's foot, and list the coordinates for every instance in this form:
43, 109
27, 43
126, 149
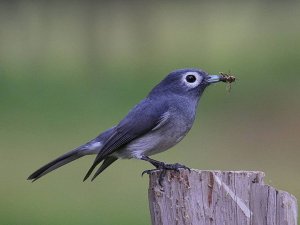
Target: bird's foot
163, 167
176, 167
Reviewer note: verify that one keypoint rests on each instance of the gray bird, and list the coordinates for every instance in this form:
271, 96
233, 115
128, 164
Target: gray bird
157, 123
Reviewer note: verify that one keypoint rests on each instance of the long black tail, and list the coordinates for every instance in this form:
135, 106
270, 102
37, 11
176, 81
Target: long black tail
60, 161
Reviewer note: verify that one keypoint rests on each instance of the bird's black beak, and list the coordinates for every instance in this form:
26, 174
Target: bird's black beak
214, 78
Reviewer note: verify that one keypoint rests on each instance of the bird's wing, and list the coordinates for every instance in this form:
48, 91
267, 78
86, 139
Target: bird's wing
143, 118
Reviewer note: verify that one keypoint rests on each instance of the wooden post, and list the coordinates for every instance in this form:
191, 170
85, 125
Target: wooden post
218, 198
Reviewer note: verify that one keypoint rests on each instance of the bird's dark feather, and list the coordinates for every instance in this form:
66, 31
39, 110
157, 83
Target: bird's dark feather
139, 121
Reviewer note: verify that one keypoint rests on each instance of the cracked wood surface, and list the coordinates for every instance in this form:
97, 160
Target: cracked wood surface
218, 198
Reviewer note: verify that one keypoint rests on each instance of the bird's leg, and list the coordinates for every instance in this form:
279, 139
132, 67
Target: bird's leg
162, 167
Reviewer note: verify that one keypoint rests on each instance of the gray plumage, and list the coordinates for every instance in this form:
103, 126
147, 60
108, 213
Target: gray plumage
154, 125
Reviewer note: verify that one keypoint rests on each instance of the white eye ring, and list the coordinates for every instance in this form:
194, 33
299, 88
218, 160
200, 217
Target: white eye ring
191, 79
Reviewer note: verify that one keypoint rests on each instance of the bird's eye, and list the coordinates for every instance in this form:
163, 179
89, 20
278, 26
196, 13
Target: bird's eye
190, 78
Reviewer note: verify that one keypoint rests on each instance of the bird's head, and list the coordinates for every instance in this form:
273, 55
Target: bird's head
185, 82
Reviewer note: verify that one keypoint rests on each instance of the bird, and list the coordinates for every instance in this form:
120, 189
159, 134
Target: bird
155, 124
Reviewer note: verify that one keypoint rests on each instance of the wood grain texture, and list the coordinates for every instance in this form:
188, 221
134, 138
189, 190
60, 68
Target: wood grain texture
218, 198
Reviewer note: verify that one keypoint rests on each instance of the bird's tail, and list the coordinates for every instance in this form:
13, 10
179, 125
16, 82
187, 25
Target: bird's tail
56, 163
92, 147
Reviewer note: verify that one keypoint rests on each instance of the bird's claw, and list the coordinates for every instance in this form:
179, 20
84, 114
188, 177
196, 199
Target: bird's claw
163, 169
148, 171
176, 167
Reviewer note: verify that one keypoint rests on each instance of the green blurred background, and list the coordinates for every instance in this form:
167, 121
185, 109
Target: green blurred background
70, 70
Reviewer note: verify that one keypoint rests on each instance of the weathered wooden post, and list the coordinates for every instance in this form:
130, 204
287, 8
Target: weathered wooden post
219, 198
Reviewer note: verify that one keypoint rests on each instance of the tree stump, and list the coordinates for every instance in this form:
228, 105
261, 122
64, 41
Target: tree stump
218, 198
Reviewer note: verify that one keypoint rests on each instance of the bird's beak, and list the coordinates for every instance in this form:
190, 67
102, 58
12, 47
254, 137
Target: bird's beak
213, 78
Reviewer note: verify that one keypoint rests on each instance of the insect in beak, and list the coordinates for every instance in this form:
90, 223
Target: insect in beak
227, 78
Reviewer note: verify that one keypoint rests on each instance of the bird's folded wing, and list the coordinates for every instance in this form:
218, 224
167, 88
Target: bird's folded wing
143, 118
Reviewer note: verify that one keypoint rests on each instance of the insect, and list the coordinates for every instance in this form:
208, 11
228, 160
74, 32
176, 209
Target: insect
228, 78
